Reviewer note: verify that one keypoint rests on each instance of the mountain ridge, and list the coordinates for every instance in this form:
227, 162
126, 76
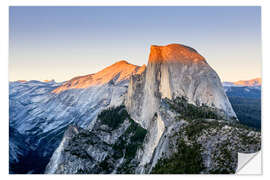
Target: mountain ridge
250, 82
118, 71
42, 116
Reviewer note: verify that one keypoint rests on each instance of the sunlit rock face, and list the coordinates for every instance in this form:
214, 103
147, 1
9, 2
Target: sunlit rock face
41, 111
116, 73
173, 71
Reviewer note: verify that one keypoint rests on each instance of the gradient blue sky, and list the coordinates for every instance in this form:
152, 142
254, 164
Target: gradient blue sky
62, 42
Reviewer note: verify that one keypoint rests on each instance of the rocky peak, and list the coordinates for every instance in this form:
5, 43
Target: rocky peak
173, 71
176, 71
174, 53
117, 72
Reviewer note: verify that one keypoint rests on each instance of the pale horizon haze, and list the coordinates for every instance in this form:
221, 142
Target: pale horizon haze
64, 42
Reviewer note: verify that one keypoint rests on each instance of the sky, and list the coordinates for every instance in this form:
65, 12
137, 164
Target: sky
63, 42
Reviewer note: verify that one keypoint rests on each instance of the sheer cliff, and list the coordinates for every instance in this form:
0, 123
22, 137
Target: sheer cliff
174, 109
174, 71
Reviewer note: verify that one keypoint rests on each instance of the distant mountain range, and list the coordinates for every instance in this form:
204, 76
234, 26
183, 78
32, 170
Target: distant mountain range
251, 82
245, 97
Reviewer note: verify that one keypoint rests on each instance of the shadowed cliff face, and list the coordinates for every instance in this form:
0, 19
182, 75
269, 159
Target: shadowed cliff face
110, 147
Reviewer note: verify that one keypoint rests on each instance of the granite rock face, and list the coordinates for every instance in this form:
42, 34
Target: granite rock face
190, 143
200, 144
107, 148
173, 71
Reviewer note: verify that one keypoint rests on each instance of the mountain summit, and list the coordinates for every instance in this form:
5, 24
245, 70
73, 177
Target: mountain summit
174, 53
176, 71
173, 72
117, 72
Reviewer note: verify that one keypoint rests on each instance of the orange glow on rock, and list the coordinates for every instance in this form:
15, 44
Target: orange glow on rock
174, 53
122, 69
